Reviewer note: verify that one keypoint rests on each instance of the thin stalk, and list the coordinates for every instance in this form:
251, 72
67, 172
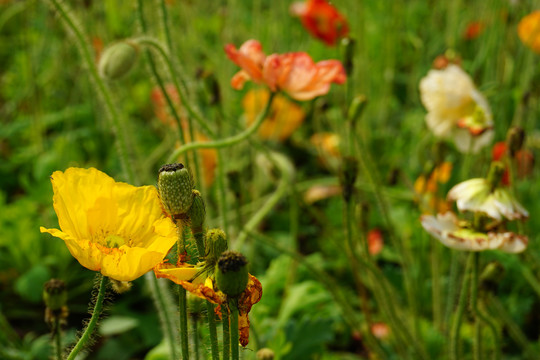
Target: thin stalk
456, 325
229, 141
196, 335
222, 193
182, 295
226, 332
477, 347
212, 329
57, 334
96, 312
235, 336
145, 40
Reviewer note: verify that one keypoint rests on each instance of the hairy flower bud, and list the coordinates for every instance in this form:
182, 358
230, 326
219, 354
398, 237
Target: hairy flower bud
232, 273
216, 244
120, 287
175, 188
197, 212
55, 294
117, 60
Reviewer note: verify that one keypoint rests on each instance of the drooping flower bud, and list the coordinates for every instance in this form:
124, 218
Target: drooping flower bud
515, 139
117, 60
232, 273
348, 59
175, 187
358, 104
55, 294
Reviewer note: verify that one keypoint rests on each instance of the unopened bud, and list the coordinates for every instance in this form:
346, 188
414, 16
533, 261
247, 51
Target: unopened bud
197, 212
117, 60
216, 244
515, 139
265, 354
232, 273
55, 294
175, 188
348, 58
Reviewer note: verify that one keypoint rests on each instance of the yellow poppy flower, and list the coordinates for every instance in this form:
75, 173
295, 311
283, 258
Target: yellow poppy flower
284, 118
111, 227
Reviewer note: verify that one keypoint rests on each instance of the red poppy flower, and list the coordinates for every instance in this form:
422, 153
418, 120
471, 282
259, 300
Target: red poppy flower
294, 73
322, 20
524, 161
473, 30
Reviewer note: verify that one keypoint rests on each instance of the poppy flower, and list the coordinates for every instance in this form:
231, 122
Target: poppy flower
196, 282
478, 195
322, 20
375, 241
473, 30
458, 235
111, 227
294, 73
456, 109
529, 31
283, 119
524, 161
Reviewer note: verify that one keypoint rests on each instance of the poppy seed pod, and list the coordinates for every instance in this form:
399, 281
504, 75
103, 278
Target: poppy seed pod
55, 294
117, 60
175, 188
232, 273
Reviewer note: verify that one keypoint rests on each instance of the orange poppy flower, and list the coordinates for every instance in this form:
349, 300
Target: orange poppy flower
322, 20
524, 161
375, 241
529, 31
183, 274
473, 30
294, 73
283, 119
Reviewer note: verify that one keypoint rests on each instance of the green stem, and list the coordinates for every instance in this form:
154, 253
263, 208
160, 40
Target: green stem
287, 170
232, 140
212, 329
477, 353
174, 75
196, 334
456, 325
57, 333
98, 307
226, 332
235, 336
222, 197
199, 241
163, 306
182, 295
104, 92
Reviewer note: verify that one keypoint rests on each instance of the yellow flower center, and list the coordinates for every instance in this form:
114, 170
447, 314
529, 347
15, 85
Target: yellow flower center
114, 241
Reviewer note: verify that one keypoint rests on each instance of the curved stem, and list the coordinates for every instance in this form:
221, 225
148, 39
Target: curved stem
93, 320
227, 141
165, 55
104, 92
456, 325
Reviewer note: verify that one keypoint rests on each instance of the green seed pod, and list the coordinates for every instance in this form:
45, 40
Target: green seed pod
197, 212
55, 294
216, 244
175, 188
232, 273
265, 354
117, 60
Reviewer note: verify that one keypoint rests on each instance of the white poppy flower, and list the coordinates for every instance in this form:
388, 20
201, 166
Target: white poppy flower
446, 229
476, 195
450, 97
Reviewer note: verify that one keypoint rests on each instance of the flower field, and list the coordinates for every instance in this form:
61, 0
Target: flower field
264, 180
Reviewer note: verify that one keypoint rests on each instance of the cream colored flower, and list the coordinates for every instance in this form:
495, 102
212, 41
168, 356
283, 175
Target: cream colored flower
446, 228
477, 195
456, 109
